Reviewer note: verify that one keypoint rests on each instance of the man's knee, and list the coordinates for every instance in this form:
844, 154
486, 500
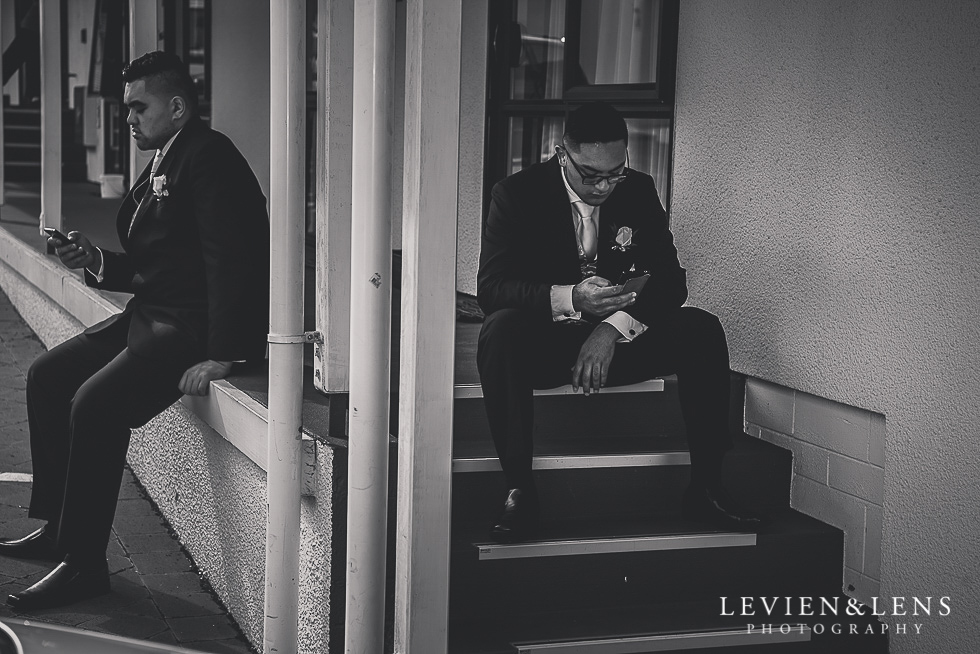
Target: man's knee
503, 328
44, 373
694, 320
91, 406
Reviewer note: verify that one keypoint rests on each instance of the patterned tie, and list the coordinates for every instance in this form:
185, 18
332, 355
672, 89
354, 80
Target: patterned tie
586, 230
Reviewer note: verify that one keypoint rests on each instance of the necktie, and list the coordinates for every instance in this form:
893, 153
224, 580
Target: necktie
586, 230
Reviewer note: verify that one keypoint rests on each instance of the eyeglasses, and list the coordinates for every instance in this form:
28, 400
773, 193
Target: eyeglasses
593, 180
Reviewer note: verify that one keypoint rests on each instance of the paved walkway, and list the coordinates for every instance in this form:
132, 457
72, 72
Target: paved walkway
156, 593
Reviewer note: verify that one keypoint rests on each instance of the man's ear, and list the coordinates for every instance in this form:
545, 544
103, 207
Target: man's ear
561, 155
178, 106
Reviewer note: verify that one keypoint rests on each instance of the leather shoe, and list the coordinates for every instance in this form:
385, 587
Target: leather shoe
713, 505
37, 545
67, 583
519, 518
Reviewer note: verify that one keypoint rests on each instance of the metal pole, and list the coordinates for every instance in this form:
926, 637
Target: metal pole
370, 326
287, 211
432, 64
50, 17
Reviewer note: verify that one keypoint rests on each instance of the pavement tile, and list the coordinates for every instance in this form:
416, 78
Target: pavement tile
139, 543
224, 646
131, 626
176, 584
118, 562
186, 605
22, 569
148, 524
213, 627
161, 562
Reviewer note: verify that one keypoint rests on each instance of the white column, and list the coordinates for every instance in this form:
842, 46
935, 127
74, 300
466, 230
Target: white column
287, 203
50, 14
370, 326
143, 38
428, 321
335, 66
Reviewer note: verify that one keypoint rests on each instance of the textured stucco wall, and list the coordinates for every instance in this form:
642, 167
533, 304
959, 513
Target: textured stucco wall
826, 194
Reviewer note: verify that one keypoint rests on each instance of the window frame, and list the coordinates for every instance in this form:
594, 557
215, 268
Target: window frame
651, 100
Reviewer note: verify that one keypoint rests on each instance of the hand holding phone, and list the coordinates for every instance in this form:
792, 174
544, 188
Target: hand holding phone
635, 285
54, 233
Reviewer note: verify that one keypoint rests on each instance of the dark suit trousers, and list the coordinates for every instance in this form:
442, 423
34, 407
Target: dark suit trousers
83, 397
517, 354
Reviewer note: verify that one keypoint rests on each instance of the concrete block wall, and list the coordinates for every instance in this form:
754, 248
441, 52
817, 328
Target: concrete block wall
838, 469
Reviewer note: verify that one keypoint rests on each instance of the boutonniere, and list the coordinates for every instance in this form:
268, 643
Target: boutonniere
159, 185
624, 239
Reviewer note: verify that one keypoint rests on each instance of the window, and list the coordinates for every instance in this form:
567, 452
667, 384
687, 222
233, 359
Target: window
549, 56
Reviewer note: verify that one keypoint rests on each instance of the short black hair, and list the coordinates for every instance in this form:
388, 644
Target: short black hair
166, 69
595, 122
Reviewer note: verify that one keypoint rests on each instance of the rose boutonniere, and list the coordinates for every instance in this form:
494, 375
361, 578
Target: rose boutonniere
624, 239
159, 185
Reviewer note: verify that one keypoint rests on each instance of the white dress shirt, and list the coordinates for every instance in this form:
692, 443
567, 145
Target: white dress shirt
561, 295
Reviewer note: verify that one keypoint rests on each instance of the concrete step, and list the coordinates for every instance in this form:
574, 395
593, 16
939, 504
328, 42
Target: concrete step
624, 562
655, 627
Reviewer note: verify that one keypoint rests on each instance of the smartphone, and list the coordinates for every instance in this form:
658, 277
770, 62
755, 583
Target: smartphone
635, 285
54, 233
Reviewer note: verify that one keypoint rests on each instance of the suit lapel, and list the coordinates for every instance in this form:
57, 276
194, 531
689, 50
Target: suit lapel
561, 218
148, 198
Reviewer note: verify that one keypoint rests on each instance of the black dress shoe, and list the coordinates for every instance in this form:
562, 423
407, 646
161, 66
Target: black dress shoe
66, 584
713, 505
37, 545
519, 519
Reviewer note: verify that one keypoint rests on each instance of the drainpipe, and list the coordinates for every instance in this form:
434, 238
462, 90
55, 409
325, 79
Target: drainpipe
370, 348
50, 18
287, 202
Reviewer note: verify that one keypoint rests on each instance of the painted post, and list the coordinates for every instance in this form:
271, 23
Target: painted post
51, 107
432, 88
370, 326
287, 202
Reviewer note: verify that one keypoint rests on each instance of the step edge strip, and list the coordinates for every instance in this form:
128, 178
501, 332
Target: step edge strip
667, 642
494, 551
475, 391
577, 461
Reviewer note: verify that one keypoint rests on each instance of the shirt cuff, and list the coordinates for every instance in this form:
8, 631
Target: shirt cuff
561, 304
626, 325
98, 275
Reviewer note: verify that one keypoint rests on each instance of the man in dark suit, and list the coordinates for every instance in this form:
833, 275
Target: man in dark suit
560, 239
195, 235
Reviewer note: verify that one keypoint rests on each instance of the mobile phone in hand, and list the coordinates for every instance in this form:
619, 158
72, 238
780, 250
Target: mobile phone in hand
54, 233
635, 285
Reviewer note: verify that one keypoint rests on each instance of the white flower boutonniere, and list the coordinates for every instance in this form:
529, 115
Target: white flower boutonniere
624, 239
160, 186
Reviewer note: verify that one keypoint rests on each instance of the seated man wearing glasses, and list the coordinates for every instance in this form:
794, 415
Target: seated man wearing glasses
560, 242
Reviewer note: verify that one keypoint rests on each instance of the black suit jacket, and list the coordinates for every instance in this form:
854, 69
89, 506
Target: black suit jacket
196, 259
529, 244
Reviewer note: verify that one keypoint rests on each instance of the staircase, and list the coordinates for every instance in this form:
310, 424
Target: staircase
22, 143
615, 568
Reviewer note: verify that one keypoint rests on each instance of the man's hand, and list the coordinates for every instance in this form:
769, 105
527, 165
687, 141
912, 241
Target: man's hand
592, 367
78, 252
599, 297
198, 377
